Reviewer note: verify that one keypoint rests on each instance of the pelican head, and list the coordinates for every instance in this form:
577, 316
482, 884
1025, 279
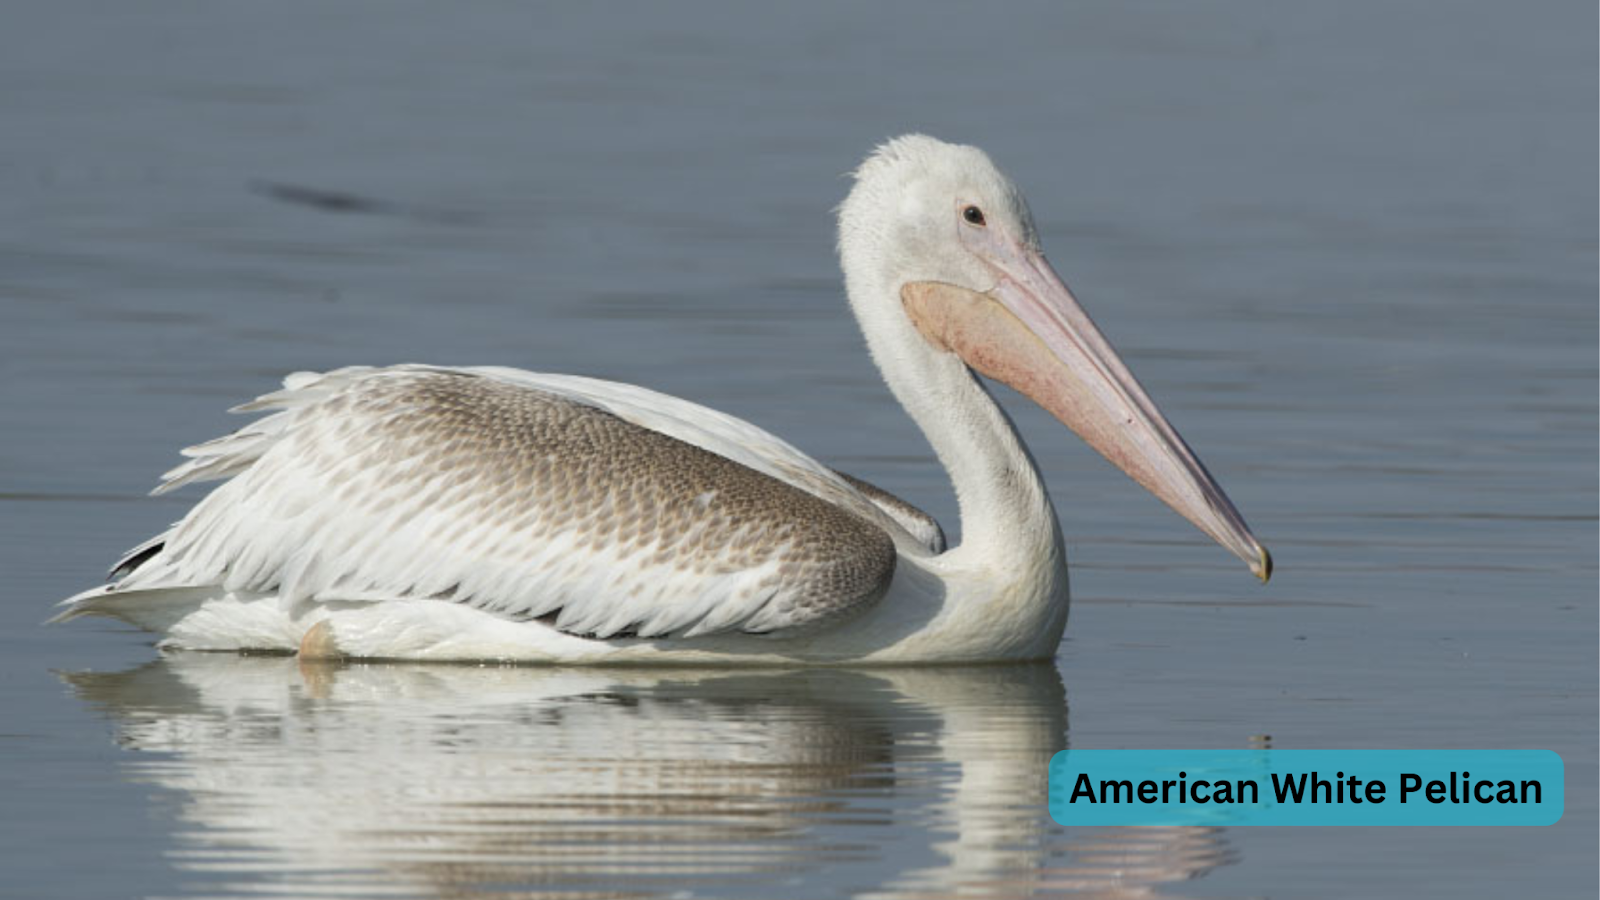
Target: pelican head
941, 254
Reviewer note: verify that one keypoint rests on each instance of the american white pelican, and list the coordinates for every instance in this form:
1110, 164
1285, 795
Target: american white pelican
418, 512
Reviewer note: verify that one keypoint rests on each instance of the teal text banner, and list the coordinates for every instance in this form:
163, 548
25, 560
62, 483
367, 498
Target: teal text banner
1306, 787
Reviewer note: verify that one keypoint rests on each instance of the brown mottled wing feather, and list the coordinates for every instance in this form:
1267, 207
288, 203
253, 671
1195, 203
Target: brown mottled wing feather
922, 526
411, 482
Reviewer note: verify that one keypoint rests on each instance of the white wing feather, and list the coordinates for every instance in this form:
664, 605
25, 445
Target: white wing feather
326, 511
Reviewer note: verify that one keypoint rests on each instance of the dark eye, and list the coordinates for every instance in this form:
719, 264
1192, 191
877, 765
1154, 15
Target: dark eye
973, 215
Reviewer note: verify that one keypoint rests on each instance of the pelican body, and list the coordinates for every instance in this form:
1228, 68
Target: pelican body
423, 512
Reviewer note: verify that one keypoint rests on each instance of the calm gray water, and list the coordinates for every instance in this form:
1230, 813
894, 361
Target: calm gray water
1350, 247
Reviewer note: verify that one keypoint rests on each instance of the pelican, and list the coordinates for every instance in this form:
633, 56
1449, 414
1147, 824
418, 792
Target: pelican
432, 513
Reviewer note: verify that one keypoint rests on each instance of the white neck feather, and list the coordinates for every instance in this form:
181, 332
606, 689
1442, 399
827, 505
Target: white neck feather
1004, 586
1007, 521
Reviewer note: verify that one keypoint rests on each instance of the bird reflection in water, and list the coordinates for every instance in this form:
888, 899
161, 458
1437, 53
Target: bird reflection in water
465, 781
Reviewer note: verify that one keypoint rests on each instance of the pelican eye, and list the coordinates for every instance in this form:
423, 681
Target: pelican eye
973, 215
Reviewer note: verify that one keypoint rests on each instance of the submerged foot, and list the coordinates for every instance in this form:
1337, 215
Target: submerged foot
318, 643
